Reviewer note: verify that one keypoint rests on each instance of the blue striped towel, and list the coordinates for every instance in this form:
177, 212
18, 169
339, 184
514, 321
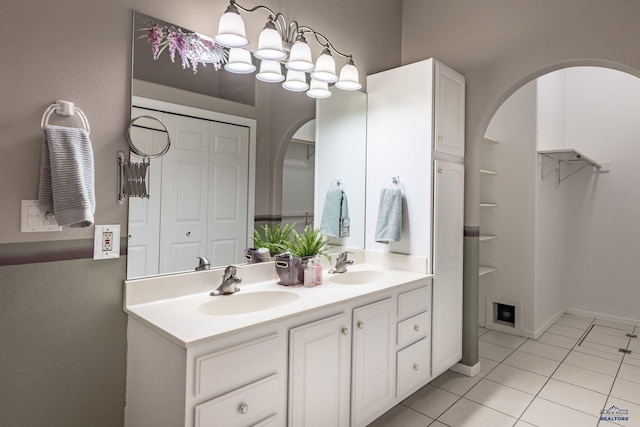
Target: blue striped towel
67, 176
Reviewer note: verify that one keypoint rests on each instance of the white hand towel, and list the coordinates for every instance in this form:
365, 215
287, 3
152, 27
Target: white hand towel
335, 208
389, 225
67, 176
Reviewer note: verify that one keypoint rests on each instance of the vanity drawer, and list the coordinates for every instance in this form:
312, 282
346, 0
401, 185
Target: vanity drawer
233, 367
413, 367
248, 406
414, 302
414, 328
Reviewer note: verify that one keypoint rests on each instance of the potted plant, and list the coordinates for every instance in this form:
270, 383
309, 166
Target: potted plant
305, 246
276, 238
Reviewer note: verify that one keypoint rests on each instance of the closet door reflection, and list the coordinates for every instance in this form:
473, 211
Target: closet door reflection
199, 199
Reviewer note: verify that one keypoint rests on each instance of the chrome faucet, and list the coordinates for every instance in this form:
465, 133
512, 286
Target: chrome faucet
229, 283
203, 264
341, 262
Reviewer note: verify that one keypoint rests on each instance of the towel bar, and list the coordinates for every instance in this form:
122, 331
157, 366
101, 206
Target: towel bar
67, 109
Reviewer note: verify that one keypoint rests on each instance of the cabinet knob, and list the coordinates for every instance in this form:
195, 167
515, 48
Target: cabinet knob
440, 170
360, 325
416, 328
243, 408
440, 138
345, 331
416, 367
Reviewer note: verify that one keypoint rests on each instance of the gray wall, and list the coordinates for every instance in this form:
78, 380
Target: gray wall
62, 328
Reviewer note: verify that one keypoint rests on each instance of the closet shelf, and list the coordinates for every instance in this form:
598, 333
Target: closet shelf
486, 270
566, 158
487, 237
488, 172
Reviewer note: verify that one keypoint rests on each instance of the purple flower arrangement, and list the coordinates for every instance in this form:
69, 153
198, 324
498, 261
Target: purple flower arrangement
193, 48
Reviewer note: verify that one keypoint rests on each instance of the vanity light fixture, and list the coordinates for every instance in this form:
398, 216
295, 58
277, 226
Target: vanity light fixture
282, 42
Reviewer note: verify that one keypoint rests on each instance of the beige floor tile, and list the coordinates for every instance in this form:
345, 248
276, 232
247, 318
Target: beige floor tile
466, 413
436, 424
521, 423
573, 322
543, 413
482, 331
584, 378
455, 383
631, 361
607, 340
582, 399
400, 415
629, 372
558, 340
616, 357
626, 390
532, 363
610, 331
493, 351
600, 347
505, 340
593, 363
486, 366
517, 378
500, 397
617, 325
566, 331
544, 350
431, 401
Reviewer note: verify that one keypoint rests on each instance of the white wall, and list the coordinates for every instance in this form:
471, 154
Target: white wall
603, 121
514, 125
297, 184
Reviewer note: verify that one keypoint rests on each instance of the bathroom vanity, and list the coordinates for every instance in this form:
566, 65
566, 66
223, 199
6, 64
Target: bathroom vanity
338, 354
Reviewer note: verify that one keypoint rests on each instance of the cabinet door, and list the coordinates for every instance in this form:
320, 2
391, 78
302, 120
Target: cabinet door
373, 360
449, 111
447, 265
319, 373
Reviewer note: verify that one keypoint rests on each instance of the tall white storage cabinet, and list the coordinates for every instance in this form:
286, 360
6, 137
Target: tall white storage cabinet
415, 131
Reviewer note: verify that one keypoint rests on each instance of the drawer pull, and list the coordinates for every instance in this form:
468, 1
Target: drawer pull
416, 328
360, 325
243, 408
416, 367
345, 331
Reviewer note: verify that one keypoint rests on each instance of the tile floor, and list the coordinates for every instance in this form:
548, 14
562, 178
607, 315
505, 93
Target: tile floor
564, 379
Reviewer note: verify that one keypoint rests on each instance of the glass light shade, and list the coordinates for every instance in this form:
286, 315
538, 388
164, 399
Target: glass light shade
319, 89
325, 68
270, 72
296, 81
349, 79
270, 45
239, 61
300, 57
231, 32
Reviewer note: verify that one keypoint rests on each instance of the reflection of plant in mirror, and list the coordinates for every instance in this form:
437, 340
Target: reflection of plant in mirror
309, 243
275, 239
193, 48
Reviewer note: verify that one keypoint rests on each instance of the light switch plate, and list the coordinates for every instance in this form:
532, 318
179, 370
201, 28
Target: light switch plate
106, 242
34, 219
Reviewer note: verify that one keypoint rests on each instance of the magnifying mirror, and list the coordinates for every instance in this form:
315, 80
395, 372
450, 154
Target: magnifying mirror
148, 137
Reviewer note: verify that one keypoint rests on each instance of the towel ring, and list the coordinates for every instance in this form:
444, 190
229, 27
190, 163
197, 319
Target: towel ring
64, 108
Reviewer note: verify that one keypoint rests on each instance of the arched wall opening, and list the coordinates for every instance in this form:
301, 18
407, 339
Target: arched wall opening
568, 247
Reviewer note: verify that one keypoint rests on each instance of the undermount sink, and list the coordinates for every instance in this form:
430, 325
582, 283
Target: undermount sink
361, 277
242, 303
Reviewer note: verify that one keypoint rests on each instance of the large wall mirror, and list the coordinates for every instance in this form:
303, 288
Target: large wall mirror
224, 173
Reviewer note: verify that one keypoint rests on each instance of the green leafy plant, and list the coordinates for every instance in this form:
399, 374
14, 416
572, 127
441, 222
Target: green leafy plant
309, 243
276, 239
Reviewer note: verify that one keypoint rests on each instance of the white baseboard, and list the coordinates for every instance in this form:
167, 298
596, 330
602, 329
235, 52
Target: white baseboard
542, 329
602, 316
470, 371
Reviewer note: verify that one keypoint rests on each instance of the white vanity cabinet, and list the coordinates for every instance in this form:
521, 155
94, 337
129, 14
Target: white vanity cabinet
448, 137
373, 376
238, 381
319, 367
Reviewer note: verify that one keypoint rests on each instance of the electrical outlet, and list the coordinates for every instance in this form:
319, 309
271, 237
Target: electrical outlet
106, 242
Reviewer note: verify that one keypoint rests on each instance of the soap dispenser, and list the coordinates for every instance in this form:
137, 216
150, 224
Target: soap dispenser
317, 270
309, 275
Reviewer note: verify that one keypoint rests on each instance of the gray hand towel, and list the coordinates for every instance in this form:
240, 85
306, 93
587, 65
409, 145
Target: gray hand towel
67, 176
335, 207
389, 225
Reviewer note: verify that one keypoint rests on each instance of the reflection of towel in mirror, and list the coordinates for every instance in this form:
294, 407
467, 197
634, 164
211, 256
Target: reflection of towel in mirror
389, 225
335, 207
67, 176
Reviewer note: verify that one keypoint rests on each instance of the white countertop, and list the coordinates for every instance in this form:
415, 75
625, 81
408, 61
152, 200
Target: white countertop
178, 318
